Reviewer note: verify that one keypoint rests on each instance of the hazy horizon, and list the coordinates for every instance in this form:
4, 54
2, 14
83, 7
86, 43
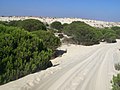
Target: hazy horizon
104, 10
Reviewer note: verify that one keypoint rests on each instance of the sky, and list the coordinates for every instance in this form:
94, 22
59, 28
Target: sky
106, 10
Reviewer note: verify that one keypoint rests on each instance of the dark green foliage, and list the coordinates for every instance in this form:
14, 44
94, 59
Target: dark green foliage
115, 28
48, 38
116, 79
14, 23
82, 33
65, 24
56, 25
116, 82
28, 24
32, 25
21, 53
109, 35
117, 31
3, 22
117, 66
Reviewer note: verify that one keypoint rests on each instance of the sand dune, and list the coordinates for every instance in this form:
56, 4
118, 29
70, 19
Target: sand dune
81, 68
49, 20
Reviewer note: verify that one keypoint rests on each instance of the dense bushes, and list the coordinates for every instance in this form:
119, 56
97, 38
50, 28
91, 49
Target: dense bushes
32, 25
117, 66
48, 38
21, 53
56, 25
109, 35
116, 82
116, 79
3, 22
82, 33
117, 31
28, 24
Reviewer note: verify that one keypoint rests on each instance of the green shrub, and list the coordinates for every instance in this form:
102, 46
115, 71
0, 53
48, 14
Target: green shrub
117, 31
117, 66
56, 25
32, 25
82, 33
116, 79
28, 24
116, 82
21, 53
109, 35
49, 39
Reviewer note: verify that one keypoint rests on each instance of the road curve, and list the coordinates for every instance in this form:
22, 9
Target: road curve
81, 68
92, 71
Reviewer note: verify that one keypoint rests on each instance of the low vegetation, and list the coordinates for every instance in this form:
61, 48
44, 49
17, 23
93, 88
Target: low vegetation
117, 66
84, 34
23, 52
56, 25
79, 32
27, 46
109, 35
117, 31
48, 38
116, 79
28, 24
116, 82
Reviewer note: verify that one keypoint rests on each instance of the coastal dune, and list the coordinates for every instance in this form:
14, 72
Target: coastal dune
49, 20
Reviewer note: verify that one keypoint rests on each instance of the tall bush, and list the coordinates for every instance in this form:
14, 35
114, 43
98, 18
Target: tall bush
82, 33
49, 39
21, 53
56, 25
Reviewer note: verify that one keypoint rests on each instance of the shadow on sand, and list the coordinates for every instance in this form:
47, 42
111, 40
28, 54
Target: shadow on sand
59, 53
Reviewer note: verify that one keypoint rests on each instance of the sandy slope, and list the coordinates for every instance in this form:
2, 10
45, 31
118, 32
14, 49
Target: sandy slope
49, 20
81, 68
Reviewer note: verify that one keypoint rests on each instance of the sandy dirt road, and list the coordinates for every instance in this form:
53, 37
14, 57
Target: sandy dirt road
81, 68
92, 71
